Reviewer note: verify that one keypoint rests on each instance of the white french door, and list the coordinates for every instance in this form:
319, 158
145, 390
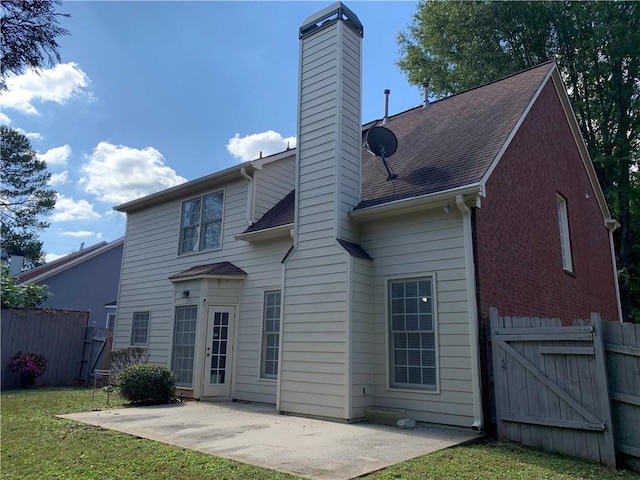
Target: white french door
218, 352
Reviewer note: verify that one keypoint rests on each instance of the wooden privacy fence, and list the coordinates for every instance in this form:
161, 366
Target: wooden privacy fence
555, 385
56, 334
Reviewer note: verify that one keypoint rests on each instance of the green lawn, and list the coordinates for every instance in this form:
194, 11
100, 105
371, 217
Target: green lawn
37, 445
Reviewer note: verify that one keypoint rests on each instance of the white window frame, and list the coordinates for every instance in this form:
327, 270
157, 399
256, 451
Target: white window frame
111, 321
199, 244
268, 315
174, 356
392, 384
565, 238
136, 329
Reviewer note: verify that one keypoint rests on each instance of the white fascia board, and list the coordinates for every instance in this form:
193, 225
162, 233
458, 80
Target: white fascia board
208, 277
281, 231
185, 189
423, 202
76, 261
582, 147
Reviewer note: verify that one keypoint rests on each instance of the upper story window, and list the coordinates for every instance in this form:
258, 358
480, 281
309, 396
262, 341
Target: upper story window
565, 243
201, 223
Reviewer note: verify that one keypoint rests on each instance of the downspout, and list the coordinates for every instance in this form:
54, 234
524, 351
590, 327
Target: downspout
243, 172
612, 225
474, 335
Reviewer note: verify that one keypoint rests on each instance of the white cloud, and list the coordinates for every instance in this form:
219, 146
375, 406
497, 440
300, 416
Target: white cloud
4, 119
50, 257
249, 147
57, 84
59, 178
81, 234
117, 173
29, 135
67, 209
56, 156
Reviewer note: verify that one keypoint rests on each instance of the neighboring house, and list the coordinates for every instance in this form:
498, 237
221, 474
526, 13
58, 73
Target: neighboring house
308, 280
85, 280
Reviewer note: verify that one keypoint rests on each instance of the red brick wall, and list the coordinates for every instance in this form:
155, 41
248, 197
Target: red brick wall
518, 255
517, 238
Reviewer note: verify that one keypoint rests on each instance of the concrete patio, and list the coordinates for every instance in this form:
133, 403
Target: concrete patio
257, 435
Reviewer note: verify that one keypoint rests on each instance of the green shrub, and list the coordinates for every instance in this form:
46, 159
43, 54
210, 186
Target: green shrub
146, 383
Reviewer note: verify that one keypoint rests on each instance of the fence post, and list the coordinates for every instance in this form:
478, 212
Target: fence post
499, 363
601, 387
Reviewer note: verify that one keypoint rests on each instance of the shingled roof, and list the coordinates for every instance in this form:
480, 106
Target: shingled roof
447, 145
220, 269
453, 141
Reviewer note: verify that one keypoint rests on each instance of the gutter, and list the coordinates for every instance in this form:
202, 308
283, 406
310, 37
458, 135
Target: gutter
612, 225
474, 336
250, 188
405, 205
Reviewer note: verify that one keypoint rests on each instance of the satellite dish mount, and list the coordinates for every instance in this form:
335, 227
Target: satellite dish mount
383, 143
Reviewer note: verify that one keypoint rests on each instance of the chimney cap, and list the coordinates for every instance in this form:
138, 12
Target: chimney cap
329, 16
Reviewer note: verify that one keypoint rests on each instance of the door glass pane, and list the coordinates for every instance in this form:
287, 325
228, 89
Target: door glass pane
219, 339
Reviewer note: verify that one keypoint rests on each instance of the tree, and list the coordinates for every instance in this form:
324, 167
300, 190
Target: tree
20, 296
28, 29
24, 195
459, 45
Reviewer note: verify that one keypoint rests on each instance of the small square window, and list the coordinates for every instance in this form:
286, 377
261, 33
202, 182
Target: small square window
140, 329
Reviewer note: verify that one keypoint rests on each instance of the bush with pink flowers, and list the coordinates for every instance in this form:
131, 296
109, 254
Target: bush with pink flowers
27, 367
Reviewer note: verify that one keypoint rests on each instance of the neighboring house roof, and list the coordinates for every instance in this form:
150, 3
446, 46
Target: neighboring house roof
220, 269
61, 264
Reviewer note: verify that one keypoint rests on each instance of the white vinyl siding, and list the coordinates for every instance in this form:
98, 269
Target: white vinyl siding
150, 259
565, 241
140, 329
273, 183
184, 343
201, 223
415, 246
412, 334
271, 334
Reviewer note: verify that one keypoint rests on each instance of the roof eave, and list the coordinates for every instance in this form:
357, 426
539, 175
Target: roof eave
187, 188
208, 276
414, 204
281, 231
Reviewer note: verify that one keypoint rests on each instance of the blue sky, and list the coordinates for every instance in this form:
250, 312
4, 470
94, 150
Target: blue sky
152, 94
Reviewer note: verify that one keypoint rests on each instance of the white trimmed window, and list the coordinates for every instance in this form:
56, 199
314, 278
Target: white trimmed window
201, 223
184, 345
412, 334
565, 242
270, 334
140, 329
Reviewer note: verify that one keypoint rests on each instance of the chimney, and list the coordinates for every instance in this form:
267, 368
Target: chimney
425, 90
329, 121
386, 105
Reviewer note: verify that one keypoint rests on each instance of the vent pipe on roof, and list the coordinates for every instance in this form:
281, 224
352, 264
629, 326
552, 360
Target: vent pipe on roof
425, 89
386, 105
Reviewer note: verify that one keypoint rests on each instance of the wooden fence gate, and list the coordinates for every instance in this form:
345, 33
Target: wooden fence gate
95, 354
551, 387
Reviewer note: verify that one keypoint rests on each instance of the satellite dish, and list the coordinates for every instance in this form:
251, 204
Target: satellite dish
383, 143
